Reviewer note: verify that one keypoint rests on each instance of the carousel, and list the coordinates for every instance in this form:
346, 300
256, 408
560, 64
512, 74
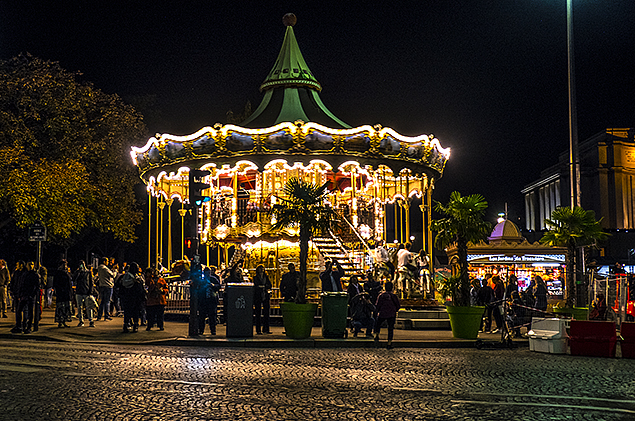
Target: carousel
373, 173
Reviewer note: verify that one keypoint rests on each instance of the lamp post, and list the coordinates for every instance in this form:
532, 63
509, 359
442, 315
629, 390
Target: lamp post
574, 158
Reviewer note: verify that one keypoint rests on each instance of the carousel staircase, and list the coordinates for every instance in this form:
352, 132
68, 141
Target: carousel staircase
332, 249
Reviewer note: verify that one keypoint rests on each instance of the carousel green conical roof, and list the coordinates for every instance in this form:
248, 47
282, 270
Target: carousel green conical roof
291, 92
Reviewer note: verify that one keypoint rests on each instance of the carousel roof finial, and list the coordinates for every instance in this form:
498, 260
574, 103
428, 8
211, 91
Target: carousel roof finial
289, 19
290, 67
291, 92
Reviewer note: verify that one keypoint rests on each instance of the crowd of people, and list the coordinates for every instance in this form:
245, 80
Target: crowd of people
86, 293
491, 292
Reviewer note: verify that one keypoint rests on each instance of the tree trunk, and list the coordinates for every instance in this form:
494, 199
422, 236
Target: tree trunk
463, 296
304, 257
570, 279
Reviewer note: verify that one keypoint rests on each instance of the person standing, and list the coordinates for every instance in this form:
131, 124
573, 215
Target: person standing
157, 298
208, 300
5, 279
25, 293
106, 281
42, 275
63, 286
331, 277
132, 294
485, 298
16, 279
499, 294
262, 296
289, 284
83, 293
354, 288
540, 294
387, 307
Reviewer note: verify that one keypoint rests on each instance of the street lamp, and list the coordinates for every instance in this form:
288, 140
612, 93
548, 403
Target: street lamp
574, 158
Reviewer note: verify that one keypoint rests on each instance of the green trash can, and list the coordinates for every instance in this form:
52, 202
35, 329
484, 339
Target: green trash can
334, 314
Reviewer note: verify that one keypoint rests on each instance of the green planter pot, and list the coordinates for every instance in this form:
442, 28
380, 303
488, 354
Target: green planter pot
577, 313
298, 319
465, 321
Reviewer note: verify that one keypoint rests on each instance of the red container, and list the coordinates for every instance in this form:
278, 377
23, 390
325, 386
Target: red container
592, 338
628, 344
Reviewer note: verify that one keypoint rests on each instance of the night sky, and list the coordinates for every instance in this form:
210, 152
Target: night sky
488, 78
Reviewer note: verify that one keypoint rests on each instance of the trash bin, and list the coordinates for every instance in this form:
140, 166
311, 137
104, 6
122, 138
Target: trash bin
239, 317
334, 314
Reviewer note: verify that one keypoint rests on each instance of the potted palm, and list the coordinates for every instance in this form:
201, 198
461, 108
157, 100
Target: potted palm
462, 222
572, 228
302, 206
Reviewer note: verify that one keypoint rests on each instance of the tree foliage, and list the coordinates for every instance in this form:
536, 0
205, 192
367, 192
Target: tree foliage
462, 223
304, 207
64, 152
572, 228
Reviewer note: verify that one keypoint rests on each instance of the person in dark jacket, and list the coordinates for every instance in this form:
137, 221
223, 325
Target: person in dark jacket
331, 277
208, 300
354, 288
42, 274
362, 311
262, 296
16, 278
63, 286
540, 294
25, 291
289, 284
486, 298
499, 294
84, 286
132, 295
387, 307
372, 287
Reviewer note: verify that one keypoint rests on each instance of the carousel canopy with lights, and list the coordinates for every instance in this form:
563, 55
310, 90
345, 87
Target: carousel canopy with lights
291, 133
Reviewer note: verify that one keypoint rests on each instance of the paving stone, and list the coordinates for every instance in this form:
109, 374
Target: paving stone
40, 380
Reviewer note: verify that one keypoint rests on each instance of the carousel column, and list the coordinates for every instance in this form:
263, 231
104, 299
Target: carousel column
169, 261
354, 197
160, 233
428, 197
235, 200
157, 237
182, 213
149, 229
407, 207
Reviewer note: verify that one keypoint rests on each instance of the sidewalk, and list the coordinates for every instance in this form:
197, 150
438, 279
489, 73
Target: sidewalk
176, 333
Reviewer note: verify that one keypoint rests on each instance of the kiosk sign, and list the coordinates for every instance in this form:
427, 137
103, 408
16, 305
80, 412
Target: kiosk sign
37, 233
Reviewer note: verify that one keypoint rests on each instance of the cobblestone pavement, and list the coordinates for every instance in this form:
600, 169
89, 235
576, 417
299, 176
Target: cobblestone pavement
52, 381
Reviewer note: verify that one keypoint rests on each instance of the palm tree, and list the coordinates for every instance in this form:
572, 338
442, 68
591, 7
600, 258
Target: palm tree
463, 222
303, 207
572, 228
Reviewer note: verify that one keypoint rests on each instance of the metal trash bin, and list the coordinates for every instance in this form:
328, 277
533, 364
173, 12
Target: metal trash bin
240, 313
334, 314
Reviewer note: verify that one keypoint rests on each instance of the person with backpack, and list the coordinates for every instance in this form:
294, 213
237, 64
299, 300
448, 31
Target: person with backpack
83, 294
386, 309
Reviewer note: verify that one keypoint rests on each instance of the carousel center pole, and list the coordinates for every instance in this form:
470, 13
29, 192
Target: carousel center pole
149, 229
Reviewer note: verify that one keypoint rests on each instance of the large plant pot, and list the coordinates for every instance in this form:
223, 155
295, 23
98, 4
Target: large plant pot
576, 313
298, 319
465, 321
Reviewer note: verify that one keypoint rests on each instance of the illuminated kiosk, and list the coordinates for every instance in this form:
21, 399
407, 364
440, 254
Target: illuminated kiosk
291, 134
507, 252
